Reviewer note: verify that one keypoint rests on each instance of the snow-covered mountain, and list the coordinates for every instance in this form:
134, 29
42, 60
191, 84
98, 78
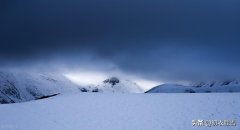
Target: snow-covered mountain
202, 87
171, 88
114, 85
218, 86
23, 86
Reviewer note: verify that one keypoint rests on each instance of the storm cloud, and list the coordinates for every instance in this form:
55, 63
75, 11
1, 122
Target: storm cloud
157, 40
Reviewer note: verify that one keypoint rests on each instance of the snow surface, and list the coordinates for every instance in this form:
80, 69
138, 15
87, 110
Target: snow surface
105, 111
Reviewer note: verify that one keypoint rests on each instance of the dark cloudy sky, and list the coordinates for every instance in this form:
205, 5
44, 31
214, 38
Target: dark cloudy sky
158, 40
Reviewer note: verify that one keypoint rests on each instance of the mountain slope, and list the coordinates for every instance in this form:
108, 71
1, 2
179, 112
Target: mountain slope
22, 86
171, 88
202, 87
115, 85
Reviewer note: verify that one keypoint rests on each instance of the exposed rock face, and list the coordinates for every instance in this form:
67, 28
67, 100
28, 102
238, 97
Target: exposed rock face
112, 81
8, 91
189, 91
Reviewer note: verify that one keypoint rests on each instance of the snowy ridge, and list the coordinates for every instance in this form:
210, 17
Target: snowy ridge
22, 86
171, 88
202, 87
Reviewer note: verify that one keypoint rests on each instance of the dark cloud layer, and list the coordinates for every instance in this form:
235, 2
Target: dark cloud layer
169, 40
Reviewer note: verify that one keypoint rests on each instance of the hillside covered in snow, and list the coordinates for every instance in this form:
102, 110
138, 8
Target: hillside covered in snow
114, 85
22, 86
26, 86
202, 87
